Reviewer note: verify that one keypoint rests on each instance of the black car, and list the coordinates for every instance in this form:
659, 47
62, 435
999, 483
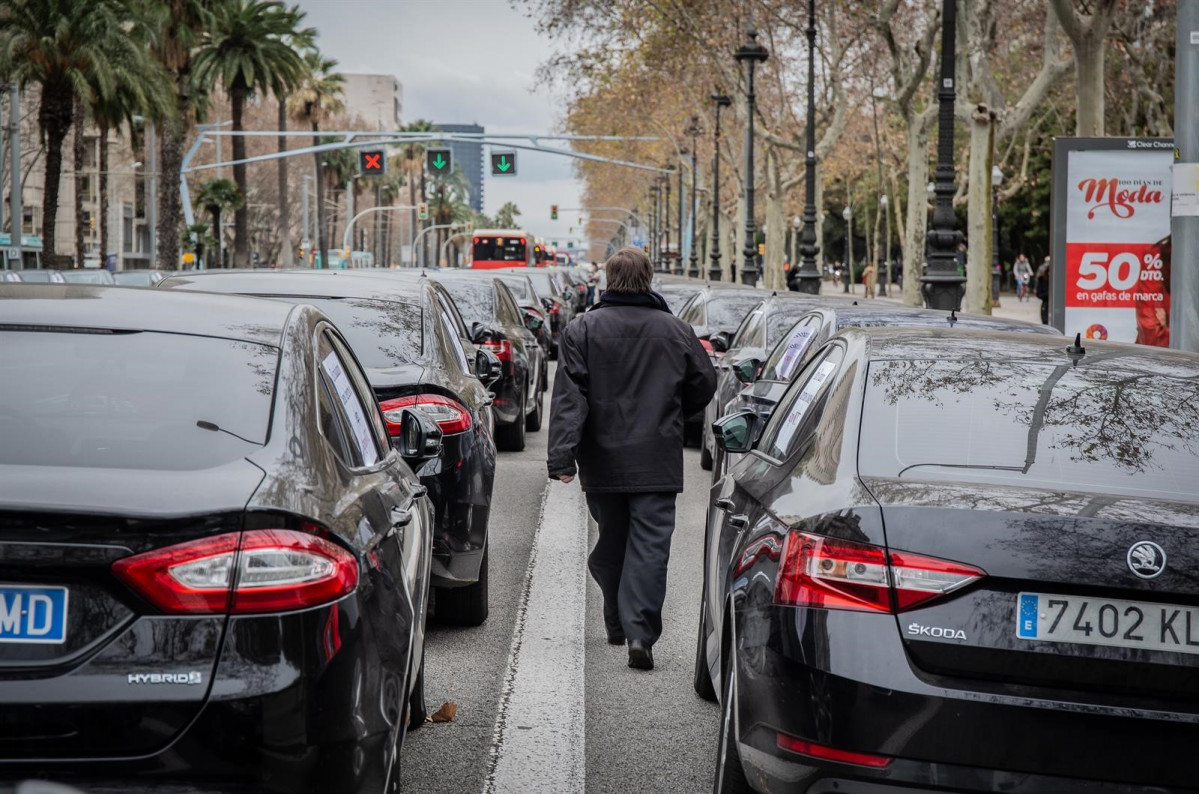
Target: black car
574, 281
497, 324
408, 344
766, 323
677, 290
962, 561
214, 560
537, 318
559, 306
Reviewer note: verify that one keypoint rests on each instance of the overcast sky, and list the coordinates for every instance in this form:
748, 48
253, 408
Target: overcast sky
462, 61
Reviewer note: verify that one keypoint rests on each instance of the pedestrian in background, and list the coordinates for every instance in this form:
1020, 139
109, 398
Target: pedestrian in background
628, 372
868, 279
592, 283
1041, 287
1022, 270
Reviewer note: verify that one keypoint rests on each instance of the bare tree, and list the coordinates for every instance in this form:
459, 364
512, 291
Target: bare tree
1087, 28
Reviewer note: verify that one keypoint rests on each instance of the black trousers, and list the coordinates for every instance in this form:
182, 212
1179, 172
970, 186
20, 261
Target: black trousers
630, 558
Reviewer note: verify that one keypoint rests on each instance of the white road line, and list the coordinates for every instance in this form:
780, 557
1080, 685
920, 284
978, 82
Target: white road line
538, 742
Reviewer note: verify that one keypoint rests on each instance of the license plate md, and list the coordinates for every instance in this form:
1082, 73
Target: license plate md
33, 614
1108, 621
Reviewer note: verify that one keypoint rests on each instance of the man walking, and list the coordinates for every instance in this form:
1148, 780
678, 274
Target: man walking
628, 372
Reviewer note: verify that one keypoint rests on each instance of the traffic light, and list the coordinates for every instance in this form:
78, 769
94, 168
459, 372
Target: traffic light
439, 161
553, 212
503, 163
372, 162
422, 211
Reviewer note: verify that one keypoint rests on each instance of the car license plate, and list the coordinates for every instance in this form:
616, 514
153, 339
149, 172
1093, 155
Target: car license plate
1108, 621
33, 614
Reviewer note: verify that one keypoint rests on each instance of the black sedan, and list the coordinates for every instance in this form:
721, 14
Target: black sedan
536, 317
677, 290
498, 325
717, 311
962, 561
559, 306
214, 559
413, 357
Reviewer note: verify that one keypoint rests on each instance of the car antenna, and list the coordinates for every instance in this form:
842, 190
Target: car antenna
203, 424
1076, 351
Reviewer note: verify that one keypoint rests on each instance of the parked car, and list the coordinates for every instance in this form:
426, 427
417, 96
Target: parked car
139, 278
941, 534
410, 349
497, 324
677, 290
87, 275
761, 329
537, 318
573, 279
215, 574
41, 276
559, 306
11, 276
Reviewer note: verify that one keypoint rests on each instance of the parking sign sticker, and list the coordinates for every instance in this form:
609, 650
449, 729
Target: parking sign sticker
358, 423
796, 414
795, 349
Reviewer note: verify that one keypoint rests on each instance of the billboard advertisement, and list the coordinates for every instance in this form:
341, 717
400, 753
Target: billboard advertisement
1111, 238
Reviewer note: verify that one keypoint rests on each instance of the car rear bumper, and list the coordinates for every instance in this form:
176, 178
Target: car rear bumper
843, 680
460, 482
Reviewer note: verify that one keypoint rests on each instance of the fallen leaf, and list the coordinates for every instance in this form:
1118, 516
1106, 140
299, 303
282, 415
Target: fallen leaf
446, 713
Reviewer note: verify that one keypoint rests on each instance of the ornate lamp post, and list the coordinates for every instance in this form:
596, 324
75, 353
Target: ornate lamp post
996, 271
942, 283
796, 225
678, 262
885, 284
693, 207
847, 214
655, 213
751, 53
666, 224
721, 101
807, 278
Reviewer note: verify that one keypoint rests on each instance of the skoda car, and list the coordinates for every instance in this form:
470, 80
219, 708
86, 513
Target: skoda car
214, 575
959, 561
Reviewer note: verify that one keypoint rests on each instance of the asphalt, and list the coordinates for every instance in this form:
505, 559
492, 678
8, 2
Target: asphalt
645, 732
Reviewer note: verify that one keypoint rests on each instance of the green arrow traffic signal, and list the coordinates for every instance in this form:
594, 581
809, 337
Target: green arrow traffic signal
503, 163
439, 160
438, 163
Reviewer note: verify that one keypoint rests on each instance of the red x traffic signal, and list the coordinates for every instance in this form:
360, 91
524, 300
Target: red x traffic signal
372, 163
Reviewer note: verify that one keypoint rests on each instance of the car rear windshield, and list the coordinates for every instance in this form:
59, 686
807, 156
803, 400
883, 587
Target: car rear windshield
1099, 428
780, 322
383, 334
519, 286
500, 249
475, 299
132, 400
727, 313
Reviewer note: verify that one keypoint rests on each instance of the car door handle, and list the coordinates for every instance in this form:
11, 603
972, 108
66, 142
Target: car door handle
724, 504
740, 521
418, 491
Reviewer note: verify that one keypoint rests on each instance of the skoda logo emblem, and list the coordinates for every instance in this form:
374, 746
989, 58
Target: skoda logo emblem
1146, 559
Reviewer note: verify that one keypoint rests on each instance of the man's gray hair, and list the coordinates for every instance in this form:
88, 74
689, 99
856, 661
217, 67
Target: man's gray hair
629, 271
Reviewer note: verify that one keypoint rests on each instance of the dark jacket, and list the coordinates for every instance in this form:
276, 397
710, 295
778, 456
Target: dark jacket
628, 372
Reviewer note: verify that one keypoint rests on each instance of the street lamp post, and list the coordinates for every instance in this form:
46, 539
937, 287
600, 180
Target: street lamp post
807, 278
751, 53
942, 282
996, 271
886, 284
666, 225
721, 101
847, 214
796, 225
678, 262
653, 224
693, 261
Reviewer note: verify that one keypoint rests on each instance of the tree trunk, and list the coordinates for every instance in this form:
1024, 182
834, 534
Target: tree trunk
776, 224
241, 216
917, 216
285, 254
322, 239
978, 225
77, 120
54, 118
104, 209
1088, 71
170, 158
216, 224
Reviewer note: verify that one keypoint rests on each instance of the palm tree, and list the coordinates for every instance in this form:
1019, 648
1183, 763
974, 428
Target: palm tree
216, 196
65, 48
179, 28
249, 51
414, 154
318, 97
449, 203
340, 166
302, 41
505, 216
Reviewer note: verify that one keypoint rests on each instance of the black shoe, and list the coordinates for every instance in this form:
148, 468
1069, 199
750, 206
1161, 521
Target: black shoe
615, 632
641, 657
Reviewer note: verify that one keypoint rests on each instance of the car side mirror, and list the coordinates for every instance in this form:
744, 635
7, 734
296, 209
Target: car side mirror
719, 341
420, 437
533, 322
748, 370
737, 433
488, 367
477, 331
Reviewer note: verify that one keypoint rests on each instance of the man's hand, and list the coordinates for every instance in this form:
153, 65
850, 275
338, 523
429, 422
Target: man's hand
566, 478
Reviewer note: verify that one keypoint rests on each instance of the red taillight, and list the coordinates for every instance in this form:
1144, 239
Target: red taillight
555, 308
804, 747
706, 345
823, 572
261, 570
450, 416
501, 347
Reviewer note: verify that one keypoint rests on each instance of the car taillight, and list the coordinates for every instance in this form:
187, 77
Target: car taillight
706, 345
804, 747
555, 308
450, 415
823, 572
501, 347
260, 570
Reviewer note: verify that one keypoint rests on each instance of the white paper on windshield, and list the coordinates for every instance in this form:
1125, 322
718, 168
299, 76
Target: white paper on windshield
358, 422
800, 407
795, 348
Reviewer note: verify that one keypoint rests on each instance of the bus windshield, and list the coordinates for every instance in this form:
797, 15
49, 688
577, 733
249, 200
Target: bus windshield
500, 249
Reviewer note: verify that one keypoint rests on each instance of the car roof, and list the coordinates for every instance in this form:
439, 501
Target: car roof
311, 283
891, 343
96, 306
854, 314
